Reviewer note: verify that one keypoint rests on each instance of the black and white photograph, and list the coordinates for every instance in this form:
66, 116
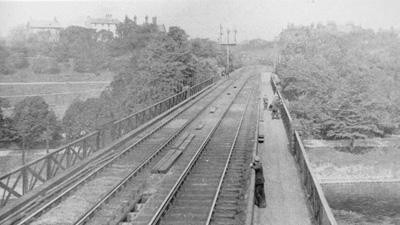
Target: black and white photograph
200, 112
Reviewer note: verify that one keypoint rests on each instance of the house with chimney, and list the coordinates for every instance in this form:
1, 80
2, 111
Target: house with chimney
48, 31
160, 27
108, 24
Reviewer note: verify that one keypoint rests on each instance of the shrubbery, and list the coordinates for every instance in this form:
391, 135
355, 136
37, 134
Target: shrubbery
45, 65
342, 86
10, 62
158, 67
18, 61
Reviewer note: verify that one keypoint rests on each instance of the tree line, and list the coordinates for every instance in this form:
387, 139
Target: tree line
149, 66
342, 86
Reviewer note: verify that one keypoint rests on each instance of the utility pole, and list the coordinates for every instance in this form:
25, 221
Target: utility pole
220, 34
227, 44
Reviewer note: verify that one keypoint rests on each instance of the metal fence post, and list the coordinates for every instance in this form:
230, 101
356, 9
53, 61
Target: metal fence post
24, 180
48, 167
68, 155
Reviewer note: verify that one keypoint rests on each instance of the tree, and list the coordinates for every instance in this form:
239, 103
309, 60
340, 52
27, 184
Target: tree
87, 116
5, 66
161, 65
342, 86
45, 65
18, 36
18, 60
7, 133
31, 117
105, 36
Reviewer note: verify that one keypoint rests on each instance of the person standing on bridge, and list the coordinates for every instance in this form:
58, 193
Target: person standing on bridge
275, 105
259, 194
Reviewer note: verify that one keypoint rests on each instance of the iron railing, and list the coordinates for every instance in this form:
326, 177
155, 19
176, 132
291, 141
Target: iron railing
24, 179
317, 202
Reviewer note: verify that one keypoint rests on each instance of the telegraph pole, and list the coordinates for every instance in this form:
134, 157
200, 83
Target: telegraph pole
220, 34
227, 44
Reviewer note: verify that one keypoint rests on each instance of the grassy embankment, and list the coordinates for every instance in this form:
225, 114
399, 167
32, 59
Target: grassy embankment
65, 89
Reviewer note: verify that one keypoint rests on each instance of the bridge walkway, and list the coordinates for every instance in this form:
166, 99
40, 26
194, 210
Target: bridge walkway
286, 203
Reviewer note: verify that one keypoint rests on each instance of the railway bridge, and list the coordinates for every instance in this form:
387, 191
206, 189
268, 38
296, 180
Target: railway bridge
184, 160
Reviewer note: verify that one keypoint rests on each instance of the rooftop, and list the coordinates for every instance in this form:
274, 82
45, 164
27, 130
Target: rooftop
107, 20
45, 24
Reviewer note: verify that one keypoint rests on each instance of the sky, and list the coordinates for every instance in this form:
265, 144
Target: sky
252, 19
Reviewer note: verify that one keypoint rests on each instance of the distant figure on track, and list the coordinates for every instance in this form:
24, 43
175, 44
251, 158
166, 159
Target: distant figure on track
275, 105
259, 194
265, 100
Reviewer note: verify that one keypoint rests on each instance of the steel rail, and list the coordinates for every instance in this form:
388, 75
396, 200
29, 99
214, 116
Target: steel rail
157, 216
117, 155
49, 194
66, 156
228, 160
121, 184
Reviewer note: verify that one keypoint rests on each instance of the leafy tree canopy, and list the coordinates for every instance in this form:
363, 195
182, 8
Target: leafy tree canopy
342, 86
31, 118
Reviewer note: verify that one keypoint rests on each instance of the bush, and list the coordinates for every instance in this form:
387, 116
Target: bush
18, 61
7, 68
45, 65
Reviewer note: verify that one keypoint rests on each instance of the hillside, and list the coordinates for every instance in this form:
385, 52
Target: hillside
59, 90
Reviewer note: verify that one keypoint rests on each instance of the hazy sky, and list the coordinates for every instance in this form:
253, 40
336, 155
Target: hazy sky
201, 18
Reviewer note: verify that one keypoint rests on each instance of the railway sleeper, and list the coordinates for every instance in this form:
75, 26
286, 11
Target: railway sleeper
231, 201
205, 174
235, 181
231, 189
238, 169
193, 207
199, 180
238, 161
142, 219
230, 214
198, 191
191, 202
199, 211
229, 195
221, 206
195, 197
225, 221
179, 218
197, 188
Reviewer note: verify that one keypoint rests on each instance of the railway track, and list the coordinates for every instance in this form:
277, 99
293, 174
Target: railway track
211, 187
109, 178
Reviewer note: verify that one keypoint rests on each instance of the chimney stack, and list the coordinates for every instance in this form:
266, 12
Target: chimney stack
155, 20
147, 18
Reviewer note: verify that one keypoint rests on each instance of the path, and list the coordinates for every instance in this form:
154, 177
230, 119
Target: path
285, 199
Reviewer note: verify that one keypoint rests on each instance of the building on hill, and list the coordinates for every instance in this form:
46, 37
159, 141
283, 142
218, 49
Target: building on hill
348, 28
390, 31
108, 24
160, 28
46, 30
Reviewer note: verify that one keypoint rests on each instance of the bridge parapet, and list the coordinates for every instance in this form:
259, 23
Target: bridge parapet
317, 202
24, 179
